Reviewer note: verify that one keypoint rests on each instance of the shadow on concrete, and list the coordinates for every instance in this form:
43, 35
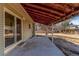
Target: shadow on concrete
68, 48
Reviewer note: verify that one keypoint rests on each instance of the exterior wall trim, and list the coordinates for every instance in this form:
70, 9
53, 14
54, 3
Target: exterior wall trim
10, 12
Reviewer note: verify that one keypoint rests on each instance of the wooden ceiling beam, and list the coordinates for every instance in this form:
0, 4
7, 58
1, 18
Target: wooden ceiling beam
51, 13
71, 14
30, 12
38, 18
57, 7
43, 22
43, 13
45, 10
68, 16
45, 19
72, 5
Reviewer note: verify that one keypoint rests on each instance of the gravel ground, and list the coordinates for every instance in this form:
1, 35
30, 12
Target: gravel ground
68, 48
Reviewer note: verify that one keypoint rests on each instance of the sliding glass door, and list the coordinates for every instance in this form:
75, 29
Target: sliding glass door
18, 25
12, 29
9, 29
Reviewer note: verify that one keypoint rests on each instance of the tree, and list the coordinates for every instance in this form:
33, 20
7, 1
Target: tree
65, 24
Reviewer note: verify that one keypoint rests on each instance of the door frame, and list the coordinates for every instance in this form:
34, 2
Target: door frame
10, 47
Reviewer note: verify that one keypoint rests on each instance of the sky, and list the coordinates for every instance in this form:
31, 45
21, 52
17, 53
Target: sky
75, 20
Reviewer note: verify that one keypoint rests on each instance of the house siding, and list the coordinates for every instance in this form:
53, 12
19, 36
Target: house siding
25, 19
1, 31
27, 32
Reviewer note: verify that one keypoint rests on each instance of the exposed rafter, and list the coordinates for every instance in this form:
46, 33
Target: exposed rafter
42, 13
45, 9
48, 13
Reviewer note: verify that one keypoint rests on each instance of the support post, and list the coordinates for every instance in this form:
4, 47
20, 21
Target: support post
52, 31
46, 30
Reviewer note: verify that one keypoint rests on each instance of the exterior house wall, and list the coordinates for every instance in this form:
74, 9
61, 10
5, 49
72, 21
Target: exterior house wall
27, 32
1, 31
18, 11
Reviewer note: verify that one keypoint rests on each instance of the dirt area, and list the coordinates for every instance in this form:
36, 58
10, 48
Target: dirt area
68, 47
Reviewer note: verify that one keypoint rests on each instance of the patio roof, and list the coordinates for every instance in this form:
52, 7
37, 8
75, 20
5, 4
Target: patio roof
48, 13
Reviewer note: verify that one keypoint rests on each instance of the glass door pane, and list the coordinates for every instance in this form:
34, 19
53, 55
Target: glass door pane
9, 29
18, 25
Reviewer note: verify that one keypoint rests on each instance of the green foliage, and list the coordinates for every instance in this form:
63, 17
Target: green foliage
65, 24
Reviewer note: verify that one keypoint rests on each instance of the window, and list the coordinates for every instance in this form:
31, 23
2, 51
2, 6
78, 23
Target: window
12, 29
9, 29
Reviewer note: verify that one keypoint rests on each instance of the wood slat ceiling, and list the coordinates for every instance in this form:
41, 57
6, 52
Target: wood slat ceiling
48, 13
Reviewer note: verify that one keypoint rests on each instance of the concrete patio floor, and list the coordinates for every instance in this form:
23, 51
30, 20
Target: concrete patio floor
36, 46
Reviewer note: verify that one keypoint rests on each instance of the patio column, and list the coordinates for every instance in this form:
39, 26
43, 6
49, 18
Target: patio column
52, 31
46, 30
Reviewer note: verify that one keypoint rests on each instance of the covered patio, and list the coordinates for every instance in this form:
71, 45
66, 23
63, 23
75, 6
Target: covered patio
36, 46
48, 15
